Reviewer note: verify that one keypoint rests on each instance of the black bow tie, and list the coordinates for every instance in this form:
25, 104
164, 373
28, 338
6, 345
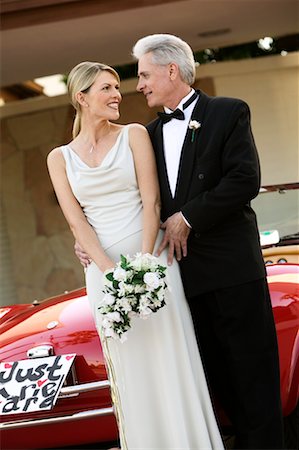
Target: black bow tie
177, 113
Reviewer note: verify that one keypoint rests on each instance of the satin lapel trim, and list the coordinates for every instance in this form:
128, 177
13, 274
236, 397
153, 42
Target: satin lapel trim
189, 151
161, 163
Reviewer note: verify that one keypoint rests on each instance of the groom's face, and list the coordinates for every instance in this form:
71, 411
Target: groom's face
154, 81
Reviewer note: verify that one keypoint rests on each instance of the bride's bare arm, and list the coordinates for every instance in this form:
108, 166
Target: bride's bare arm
146, 172
82, 231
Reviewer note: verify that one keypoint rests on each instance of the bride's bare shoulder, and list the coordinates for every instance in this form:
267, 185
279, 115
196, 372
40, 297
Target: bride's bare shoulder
55, 156
136, 126
137, 131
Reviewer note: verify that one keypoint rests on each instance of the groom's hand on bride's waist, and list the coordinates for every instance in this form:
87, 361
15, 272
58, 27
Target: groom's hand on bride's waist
81, 255
175, 237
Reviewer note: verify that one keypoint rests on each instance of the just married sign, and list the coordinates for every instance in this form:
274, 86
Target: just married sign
32, 384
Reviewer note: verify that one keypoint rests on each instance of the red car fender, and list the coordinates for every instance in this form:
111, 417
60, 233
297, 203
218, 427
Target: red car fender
283, 282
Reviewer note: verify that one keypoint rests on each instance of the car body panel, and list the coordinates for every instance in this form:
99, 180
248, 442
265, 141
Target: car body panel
74, 332
283, 281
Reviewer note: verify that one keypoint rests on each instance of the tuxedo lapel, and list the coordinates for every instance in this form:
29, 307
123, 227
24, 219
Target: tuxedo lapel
189, 151
161, 164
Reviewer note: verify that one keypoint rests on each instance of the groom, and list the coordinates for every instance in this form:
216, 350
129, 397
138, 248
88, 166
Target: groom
209, 172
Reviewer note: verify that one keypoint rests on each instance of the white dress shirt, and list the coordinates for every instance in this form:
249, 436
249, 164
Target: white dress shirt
174, 133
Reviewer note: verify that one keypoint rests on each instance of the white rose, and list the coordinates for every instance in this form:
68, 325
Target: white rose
144, 310
124, 304
146, 261
124, 289
114, 316
120, 274
137, 262
149, 261
151, 280
108, 299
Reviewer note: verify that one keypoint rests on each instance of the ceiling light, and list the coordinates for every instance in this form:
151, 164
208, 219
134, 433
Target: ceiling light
53, 85
265, 43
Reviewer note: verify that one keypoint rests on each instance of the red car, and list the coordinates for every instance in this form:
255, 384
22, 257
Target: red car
55, 341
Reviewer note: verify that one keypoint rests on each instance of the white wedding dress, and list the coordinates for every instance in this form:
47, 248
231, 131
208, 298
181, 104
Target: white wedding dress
159, 387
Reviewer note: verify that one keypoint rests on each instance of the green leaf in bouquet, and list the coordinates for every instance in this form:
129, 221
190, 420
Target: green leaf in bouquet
124, 264
109, 276
123, 259
138, 277
115, 284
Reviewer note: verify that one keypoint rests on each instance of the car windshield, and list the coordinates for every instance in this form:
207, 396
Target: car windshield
277, 208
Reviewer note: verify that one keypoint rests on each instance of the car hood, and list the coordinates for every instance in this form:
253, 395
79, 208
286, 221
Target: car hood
59, 319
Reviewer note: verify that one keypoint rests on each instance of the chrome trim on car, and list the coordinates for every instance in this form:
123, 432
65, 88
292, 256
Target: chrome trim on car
67, 391
81, 388
40, 351
77, 416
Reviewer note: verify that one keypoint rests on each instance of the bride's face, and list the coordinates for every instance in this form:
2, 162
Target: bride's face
103, 97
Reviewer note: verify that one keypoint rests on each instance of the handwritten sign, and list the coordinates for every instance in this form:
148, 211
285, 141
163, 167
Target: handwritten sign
32, 384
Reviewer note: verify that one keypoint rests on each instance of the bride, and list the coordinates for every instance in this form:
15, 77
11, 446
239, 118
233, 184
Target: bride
106, 183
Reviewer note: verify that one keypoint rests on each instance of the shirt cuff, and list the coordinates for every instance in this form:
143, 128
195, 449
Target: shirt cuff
185, 220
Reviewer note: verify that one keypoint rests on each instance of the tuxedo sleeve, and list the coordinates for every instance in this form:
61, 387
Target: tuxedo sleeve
240, 175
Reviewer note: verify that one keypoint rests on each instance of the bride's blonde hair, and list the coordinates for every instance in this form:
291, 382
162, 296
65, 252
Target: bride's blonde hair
80, 79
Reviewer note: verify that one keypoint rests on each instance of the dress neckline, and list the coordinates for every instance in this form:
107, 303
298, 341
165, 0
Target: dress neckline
108, 153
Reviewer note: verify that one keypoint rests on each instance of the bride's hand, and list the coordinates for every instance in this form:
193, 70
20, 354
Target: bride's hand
81, 255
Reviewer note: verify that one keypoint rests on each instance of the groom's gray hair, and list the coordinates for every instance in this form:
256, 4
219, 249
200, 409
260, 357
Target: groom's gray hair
166, 49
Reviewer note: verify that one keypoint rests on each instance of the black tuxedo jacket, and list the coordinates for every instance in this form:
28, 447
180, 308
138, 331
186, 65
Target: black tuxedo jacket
219, 174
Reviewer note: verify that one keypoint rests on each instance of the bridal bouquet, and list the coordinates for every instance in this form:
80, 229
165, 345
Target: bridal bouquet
134, 288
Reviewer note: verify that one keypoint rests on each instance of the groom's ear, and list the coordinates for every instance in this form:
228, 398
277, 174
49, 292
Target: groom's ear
173, 71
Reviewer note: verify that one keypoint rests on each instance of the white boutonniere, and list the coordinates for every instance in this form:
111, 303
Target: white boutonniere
194, 125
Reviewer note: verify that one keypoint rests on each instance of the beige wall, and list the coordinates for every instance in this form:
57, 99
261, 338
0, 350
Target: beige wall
39, 240
36, 246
